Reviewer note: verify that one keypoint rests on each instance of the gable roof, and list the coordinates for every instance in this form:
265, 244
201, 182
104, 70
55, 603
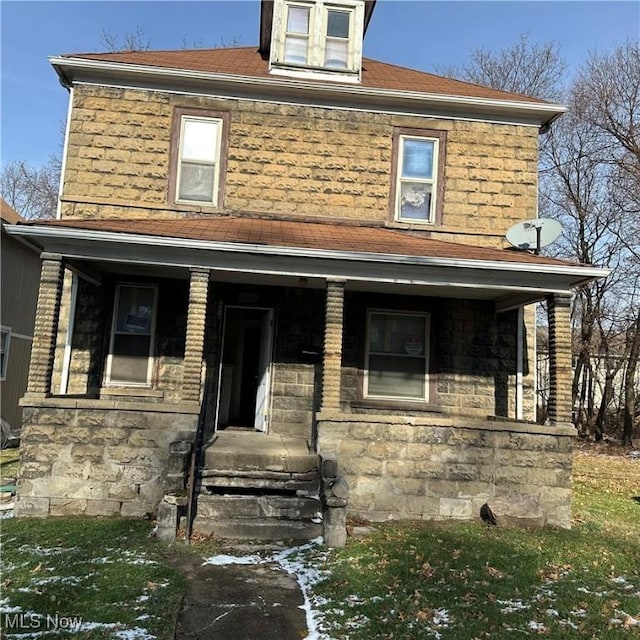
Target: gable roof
247, 61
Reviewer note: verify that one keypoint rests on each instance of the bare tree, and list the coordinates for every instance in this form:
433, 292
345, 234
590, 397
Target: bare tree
526, 67
607, 94
130, 41
31, 191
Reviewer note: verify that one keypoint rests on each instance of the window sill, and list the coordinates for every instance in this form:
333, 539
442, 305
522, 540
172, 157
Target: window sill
131, 393
398, 405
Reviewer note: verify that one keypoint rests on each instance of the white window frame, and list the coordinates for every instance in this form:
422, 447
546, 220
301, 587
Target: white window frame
184, 118
433, 181
152, 336
317, 37
5, 337
425, 355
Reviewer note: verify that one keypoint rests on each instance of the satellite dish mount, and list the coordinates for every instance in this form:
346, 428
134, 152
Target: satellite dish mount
532, 235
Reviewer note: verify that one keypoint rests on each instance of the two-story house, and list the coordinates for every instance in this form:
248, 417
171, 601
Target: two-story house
303, 250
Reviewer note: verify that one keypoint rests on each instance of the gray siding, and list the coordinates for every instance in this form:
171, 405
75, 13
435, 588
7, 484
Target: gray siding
19, 294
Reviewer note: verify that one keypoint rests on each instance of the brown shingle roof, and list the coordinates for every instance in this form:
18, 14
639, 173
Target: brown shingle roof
9, 214
302, 235
247, 61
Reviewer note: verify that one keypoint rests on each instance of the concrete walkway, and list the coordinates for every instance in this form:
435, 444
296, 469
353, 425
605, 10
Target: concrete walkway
240, 602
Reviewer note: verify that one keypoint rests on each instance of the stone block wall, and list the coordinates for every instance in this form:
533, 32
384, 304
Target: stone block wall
437, 468
292, 159
97, 457
293, 399
473, 352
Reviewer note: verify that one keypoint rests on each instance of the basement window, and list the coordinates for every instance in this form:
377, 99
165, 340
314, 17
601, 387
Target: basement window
397, 356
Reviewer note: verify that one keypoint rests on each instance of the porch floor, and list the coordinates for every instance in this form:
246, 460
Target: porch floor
247, 451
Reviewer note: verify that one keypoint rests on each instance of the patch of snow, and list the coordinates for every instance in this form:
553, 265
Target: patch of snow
579, 613
538, 627
441, 617
511, 606
5, 607
552, 613
137, 633
290, 561
222, 560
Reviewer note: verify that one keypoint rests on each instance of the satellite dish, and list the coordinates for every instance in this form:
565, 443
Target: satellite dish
532, 235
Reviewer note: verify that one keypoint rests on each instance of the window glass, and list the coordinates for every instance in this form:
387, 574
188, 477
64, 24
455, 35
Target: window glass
199, 140
336, 54
295, 50
135, 307
132, 335
198, 162
397, 356
396, 377
338, 24
415, 201
417, 158
298, 20
196, 182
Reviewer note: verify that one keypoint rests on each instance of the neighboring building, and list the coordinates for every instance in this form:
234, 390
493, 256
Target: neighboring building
304, 249
19, 291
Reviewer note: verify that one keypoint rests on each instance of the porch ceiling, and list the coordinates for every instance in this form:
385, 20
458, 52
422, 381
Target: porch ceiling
307, 253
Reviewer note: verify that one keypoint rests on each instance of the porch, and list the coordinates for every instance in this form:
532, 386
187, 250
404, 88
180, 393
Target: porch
306, 346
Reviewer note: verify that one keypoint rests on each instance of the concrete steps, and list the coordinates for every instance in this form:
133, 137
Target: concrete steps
255, 517
258, 487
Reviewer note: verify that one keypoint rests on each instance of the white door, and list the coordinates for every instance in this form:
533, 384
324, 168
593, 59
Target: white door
264, 372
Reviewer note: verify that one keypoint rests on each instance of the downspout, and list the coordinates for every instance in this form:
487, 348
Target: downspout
520, 365
65, 146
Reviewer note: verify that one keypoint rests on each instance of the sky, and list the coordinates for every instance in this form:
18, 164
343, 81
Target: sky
422, 34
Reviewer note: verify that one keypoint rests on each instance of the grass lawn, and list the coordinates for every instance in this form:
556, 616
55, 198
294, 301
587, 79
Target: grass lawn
9, 463
89, 578
98, 578
467, 581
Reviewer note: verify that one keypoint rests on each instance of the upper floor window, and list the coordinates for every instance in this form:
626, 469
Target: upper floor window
197, 157
418, 174
324, 37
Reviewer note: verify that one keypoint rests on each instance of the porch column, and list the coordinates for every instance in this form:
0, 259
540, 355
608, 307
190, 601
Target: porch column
560, 371
46, 325
194, 344
332, 355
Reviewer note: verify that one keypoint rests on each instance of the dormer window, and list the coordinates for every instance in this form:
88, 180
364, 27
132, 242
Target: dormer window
318, 38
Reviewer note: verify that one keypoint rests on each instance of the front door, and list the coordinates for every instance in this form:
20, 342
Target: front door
245, 370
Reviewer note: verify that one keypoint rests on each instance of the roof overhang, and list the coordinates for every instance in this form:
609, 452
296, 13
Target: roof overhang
509, 284
72, 70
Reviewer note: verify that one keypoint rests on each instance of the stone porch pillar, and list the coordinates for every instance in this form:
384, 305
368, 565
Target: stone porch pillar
194, 345
46, 326
332, 355
560, 370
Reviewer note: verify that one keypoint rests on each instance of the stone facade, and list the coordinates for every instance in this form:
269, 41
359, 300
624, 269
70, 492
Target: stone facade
435, 468
97, 457
296, 160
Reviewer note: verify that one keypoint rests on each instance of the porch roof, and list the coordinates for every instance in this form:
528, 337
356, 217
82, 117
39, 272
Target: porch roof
317, 250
